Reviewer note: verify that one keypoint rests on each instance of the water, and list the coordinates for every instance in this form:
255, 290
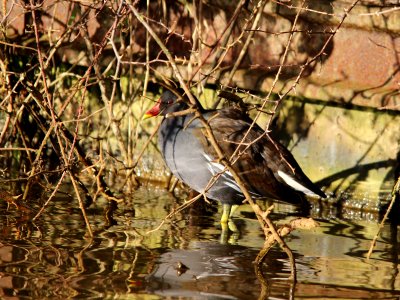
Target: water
188, 257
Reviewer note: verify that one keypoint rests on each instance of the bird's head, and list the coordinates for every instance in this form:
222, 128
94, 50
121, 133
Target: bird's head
166, 100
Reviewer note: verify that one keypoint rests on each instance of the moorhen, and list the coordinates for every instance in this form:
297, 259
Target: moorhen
267, 168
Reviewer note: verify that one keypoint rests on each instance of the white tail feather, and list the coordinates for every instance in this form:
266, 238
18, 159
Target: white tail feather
290, 181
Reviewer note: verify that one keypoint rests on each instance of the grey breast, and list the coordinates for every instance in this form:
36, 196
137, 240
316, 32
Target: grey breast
185, 156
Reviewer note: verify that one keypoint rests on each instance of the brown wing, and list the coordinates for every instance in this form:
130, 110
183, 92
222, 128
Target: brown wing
259, 162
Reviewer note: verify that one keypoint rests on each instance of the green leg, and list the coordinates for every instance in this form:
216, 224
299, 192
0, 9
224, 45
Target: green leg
227, 212
227, 224
231, 224
233, 209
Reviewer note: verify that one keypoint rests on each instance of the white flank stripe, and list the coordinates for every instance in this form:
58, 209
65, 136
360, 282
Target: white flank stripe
233, 185
207, 157
216, 166
226, 176
220, 167
210, 168
294, 184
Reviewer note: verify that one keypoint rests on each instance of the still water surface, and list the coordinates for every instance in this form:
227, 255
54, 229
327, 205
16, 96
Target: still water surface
188, 258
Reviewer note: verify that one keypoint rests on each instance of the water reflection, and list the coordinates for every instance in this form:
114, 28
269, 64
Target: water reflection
212, 269
185, 259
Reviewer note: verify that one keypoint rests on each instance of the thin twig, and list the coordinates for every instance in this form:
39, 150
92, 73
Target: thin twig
258, 13
395, 195
81, 206
210, 135
175, 211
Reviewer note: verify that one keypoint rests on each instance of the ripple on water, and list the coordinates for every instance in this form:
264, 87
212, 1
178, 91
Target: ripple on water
53, 258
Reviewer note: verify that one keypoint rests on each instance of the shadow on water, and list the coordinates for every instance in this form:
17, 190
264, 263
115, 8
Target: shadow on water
185, 259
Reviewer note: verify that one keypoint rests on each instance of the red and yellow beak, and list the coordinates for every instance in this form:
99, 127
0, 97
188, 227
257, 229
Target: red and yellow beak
154, 111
